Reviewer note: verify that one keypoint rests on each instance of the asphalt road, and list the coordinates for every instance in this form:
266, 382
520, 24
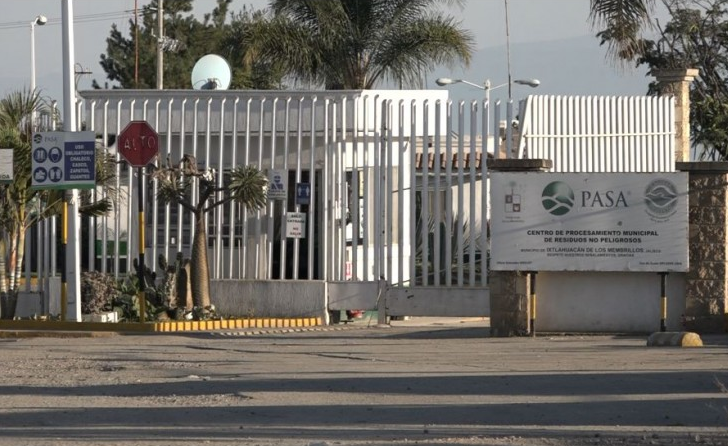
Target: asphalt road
363, 385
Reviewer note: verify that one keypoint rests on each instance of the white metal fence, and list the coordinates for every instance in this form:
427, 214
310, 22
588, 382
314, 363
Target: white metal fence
600, 133
380, 206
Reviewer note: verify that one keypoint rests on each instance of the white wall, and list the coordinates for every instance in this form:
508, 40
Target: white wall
606, 302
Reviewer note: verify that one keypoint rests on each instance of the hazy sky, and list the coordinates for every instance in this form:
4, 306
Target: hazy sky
531, 22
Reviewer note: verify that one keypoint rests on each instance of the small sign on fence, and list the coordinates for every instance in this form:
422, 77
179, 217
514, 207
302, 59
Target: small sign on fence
277, 189
295, 225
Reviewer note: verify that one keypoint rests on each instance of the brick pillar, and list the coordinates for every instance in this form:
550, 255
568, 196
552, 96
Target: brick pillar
509, 290
706, 283
676, 82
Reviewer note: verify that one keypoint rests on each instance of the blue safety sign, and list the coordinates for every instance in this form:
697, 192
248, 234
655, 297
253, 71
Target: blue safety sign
303, 193
64, 160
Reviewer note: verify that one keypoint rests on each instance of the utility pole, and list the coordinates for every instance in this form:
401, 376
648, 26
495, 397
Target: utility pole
136, 45
160, 43
508, 51
73, 249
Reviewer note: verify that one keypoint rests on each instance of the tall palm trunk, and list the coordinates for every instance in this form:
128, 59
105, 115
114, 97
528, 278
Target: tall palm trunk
19, 255
3, 265
199, 271
13, 257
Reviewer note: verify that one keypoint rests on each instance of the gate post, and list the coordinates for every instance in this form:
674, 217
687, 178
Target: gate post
509, 290
676, 82
706, 283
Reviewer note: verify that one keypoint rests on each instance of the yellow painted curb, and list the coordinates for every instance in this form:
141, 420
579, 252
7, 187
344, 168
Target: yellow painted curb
152, 327
674, 339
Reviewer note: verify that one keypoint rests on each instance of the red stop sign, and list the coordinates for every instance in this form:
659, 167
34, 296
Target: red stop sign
138, 143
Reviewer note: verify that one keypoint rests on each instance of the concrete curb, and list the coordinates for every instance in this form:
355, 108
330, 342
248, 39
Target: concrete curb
29, 328
674, 339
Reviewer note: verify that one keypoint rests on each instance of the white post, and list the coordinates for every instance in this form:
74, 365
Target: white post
32, 55
38, 20
160, 41
73, 248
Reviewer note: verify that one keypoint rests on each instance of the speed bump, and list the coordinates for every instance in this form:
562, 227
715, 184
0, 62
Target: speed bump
674, 339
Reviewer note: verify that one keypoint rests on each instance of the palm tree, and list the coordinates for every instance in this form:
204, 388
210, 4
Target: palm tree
623, 22
20, 205
245, 185
355, 44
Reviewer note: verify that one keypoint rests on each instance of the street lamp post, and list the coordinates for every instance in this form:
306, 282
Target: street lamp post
487, 87
39, 20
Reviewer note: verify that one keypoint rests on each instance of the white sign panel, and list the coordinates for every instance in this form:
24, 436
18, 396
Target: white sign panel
295, 225
589, 222
64, 160
277, 182
6, 165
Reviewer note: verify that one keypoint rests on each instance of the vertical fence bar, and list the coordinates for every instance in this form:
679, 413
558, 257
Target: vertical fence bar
180, 210
461, 187
330, 240
413, 194
167, 206
438, 264
389, 192
297, 207
243, 254
219, 210
233, 206
356, 234
310, 227
472, 240
448, 192
93, 221
208, 151
425, 192
117, 208
484, 221
270, 236
380, 131
365, 172
402, 171
284, 212
338, 148
130, 252
259, 213
105, 218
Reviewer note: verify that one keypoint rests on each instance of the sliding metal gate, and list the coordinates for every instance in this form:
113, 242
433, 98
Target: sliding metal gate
396, 180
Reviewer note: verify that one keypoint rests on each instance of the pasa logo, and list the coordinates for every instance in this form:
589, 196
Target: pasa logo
661, 198
557, 198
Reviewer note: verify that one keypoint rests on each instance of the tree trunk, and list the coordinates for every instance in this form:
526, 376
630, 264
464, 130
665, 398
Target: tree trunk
13, 257
199, 268
3, 266
8, 303
20, 255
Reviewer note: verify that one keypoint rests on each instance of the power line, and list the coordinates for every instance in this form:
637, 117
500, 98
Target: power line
98, 17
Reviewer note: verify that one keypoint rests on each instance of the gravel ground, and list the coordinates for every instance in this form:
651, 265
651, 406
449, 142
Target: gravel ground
404, 385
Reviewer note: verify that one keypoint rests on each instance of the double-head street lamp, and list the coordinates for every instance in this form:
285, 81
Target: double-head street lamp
533, 83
